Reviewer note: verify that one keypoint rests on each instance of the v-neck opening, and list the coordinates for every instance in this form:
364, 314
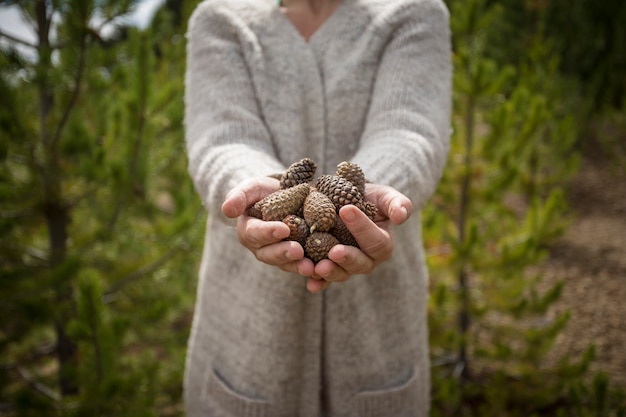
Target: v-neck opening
319, 32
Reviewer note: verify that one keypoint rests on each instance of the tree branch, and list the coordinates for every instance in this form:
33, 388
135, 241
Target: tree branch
17, 40
143, 271
76, 90
38, 386
95, 341
105, 22
23, 42
132, 163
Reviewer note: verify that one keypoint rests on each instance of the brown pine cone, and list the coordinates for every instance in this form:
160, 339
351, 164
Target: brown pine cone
343, 235
318, 244
370, 209
298, 227
353, 173
255, 210
340, 191
281, 203
298, 173
319, 212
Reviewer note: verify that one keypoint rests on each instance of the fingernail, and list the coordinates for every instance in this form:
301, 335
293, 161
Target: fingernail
349, 216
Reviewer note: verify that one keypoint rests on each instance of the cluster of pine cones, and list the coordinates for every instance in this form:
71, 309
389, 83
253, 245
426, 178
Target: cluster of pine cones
312, 211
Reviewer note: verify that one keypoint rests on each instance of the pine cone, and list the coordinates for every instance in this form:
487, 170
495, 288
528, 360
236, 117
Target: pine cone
339, 190
319, 212
311, 213
255, 210
281, 203
370, 209
318, 244
298, 227
343, 235
353, 173
298, 173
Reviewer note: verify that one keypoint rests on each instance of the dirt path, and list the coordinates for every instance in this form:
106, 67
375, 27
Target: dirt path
591, 258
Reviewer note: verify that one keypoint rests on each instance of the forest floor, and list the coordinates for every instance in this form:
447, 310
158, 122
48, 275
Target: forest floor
591, 258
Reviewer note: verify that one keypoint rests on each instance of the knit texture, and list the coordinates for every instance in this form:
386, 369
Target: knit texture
371, 86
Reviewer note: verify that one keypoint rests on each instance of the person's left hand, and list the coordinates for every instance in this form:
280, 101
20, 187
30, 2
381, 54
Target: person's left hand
375, 238
265, 239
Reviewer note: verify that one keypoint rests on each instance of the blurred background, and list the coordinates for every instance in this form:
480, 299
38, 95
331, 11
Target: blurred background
101, 228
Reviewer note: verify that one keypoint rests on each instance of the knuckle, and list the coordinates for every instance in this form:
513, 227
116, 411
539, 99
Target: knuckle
289, 267
385, 255
378, 247
367, 266
341, 277
259, 255
265, 255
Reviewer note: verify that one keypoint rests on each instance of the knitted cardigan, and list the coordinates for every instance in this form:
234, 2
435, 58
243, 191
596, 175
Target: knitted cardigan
373, 86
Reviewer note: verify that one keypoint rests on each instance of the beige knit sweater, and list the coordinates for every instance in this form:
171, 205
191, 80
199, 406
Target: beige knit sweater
371, 86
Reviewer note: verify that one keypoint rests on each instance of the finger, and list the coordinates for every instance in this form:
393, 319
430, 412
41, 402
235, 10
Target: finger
246, 194
351, 260
328, 270
303, 266
391, 203
235, 204
280, 254
400, 209
372, 238
315, 286
306, 267
255, 233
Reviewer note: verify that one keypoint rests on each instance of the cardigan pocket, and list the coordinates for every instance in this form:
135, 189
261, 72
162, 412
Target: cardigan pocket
231, 402
402, 400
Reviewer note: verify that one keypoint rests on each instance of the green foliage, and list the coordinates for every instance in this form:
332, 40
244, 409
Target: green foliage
101, 227
498, 207
588, 37
98, 219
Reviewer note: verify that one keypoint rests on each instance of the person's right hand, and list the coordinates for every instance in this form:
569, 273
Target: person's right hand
375, 238
264, 238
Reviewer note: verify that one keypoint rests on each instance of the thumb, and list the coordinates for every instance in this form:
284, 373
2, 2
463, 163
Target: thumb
235, 203
400, 209
246, 194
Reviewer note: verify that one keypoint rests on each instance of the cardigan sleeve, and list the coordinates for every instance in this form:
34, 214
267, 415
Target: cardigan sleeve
226, 137
406, 137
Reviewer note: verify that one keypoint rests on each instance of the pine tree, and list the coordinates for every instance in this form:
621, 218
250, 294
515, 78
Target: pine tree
99, 219
499, 206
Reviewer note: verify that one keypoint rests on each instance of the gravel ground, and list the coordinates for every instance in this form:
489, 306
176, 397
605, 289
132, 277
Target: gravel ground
591, 258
